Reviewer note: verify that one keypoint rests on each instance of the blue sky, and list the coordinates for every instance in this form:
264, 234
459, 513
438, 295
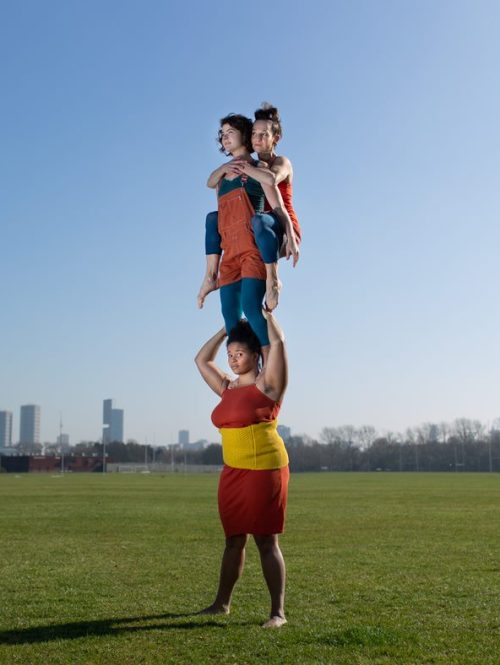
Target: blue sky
108, 118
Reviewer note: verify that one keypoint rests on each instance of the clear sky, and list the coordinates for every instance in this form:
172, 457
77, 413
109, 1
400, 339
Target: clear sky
109, 113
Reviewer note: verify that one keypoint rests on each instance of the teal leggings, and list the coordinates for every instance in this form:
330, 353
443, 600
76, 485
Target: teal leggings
245, 297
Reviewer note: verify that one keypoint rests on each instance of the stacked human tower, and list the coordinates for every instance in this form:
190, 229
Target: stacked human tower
254, 225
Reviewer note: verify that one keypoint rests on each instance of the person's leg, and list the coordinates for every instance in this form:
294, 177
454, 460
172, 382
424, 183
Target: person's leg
252, 293
232, 564
273, 567
213, 253
231, 304
268, 234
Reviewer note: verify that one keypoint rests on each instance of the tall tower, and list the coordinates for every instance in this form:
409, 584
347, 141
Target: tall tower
184, 437
29, 429
5, 429
112, 422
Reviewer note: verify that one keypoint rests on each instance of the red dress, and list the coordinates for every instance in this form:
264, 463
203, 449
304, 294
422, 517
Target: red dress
250, 500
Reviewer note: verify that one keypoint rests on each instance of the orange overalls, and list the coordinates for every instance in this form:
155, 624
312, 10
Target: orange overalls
241, 257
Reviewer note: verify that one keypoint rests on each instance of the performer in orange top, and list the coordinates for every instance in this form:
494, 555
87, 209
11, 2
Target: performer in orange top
254, 481
275, 234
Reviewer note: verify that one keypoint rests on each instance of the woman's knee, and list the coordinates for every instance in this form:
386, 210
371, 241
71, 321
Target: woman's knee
212, 236
257, 224
212, 221
266, 237
236, 542
266, 544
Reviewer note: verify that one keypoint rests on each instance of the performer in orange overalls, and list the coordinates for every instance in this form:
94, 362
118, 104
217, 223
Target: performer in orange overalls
240, 273
269, 227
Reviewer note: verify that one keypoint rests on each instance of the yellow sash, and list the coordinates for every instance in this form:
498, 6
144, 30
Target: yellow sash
254, 447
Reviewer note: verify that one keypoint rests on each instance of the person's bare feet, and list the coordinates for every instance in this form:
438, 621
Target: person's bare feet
274, 622
215, 609
273, 288
208, 285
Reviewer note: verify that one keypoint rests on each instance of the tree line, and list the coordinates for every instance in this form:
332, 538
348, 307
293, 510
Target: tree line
464, 445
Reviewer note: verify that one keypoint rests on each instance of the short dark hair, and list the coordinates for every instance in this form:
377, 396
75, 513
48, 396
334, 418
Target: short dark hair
269, 112
244, 334
242, 124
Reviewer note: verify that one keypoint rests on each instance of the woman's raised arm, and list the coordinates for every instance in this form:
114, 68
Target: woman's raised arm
213, 375
275, 372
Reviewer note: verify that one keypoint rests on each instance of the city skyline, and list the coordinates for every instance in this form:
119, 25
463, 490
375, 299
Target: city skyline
183, 438
390, 116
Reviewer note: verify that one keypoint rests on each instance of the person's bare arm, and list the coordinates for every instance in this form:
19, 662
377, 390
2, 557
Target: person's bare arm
276, 202
282, 169
274, 378
216, 176
260, 171
205, 362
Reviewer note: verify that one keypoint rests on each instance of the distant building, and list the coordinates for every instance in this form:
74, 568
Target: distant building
195, 445
29, 429
285, 432
5, 429
184, 437
63, 440
112, 422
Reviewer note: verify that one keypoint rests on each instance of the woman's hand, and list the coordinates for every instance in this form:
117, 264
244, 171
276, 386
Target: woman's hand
233, 167
220, 172
292, 248
259, 172
241, 166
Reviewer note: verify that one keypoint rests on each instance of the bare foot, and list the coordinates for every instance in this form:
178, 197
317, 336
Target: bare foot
215, 609
273, 288
274, 622
208, 285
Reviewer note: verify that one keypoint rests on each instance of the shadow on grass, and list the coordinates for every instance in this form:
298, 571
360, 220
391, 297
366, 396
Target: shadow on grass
101, 627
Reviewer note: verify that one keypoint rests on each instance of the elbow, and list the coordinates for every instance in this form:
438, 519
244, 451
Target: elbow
269, 178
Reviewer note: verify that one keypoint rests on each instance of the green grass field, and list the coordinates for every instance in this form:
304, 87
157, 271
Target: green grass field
382, 568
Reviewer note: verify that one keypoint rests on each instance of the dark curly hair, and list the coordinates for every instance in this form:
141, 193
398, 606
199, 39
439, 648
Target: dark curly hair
242, 124
244, 334
269, 112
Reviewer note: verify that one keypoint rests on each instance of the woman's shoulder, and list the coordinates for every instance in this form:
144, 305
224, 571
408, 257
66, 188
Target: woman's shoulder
280, 160
284, 165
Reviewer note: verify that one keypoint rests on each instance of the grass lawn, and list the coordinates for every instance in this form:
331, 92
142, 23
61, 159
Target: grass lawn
382, 568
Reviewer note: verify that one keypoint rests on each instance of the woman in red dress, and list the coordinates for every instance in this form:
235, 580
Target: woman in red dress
254, 481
